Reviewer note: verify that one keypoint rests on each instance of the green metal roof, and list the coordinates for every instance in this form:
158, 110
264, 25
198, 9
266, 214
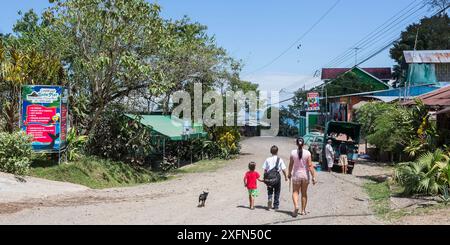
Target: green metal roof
168, 126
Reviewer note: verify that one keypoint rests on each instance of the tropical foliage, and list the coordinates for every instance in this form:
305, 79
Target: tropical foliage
397, 129
119, 138
75, 145
15, 153
429, 174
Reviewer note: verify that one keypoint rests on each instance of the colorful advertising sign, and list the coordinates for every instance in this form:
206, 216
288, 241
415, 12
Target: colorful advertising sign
313, 101
44, 116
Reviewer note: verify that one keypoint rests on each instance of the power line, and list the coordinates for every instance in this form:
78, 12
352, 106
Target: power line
390, 23
298, 40
370, 34
397, 39
379, 38
378, 50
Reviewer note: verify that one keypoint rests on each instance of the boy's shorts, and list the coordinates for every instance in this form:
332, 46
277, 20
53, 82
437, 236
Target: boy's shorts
253, 193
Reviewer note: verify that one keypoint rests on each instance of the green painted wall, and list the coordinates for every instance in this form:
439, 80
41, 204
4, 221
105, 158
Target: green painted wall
369, 80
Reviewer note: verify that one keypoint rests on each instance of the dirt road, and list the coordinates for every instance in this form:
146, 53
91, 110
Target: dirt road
336, 199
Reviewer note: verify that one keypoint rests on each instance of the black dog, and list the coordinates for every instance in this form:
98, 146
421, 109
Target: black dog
202, 199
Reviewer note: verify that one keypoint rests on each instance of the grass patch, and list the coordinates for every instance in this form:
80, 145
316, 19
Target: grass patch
202, 167
94, 173
379, 194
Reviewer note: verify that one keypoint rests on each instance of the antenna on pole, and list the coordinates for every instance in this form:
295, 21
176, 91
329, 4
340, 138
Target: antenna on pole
356, 54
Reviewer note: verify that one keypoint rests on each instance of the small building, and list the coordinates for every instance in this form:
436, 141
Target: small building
166, 129
343, 107
438, 103
427, 66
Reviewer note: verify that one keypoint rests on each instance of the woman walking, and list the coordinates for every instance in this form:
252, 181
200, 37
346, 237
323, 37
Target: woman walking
300, 170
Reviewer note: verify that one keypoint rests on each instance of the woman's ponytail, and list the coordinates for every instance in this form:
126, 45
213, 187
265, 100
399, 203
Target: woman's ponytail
300, 144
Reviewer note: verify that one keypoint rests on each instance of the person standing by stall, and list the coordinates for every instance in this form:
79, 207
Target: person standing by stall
329, 154
343, 158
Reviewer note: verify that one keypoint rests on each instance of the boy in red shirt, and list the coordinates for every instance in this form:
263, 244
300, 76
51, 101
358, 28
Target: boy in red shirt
250, 182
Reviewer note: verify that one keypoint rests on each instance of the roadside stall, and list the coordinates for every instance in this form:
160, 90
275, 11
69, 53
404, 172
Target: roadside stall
167, 129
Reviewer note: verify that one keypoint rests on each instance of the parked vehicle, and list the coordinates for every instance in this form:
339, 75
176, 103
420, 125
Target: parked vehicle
314, 143
342, 132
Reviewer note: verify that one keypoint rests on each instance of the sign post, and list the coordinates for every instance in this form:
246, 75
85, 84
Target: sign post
44, 112
313, 101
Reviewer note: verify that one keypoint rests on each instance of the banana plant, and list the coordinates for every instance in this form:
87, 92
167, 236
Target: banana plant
75, 144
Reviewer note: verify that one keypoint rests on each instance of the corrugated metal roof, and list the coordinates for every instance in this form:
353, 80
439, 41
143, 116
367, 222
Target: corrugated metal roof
168, 126
396, 92
427, 56
440, 97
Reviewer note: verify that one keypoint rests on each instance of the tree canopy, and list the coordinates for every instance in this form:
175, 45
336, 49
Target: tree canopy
112, 52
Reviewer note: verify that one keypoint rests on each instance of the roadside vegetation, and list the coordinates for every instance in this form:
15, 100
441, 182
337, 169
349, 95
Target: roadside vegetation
380, 194
133, 66
94, 172
421, 164
98, 173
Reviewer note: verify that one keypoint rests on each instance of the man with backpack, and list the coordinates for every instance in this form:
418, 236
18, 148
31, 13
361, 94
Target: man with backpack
272, 177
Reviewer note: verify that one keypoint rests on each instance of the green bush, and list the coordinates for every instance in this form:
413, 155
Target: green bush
428, 175
15, 153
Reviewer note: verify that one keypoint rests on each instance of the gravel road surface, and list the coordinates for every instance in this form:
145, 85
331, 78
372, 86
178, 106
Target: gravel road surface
336, 199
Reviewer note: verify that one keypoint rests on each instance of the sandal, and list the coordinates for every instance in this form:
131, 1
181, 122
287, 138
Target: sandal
295, 213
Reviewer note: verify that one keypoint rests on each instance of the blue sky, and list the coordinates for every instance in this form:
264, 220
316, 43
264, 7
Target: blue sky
257, 31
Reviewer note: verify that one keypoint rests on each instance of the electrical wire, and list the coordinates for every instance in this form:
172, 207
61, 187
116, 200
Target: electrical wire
296, 41
374, 39
377, 30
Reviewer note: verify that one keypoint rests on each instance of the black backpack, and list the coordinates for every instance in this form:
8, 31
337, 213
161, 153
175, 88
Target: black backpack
273, 177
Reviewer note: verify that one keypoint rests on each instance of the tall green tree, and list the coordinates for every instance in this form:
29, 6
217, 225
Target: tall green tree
438, 4
110, 50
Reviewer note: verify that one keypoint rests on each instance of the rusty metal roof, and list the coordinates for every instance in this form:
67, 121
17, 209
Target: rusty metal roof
427, 56
384, 73
440, 97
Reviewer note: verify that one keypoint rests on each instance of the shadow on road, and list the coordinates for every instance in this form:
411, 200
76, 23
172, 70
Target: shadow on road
314, 217
256, 207
376, 178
